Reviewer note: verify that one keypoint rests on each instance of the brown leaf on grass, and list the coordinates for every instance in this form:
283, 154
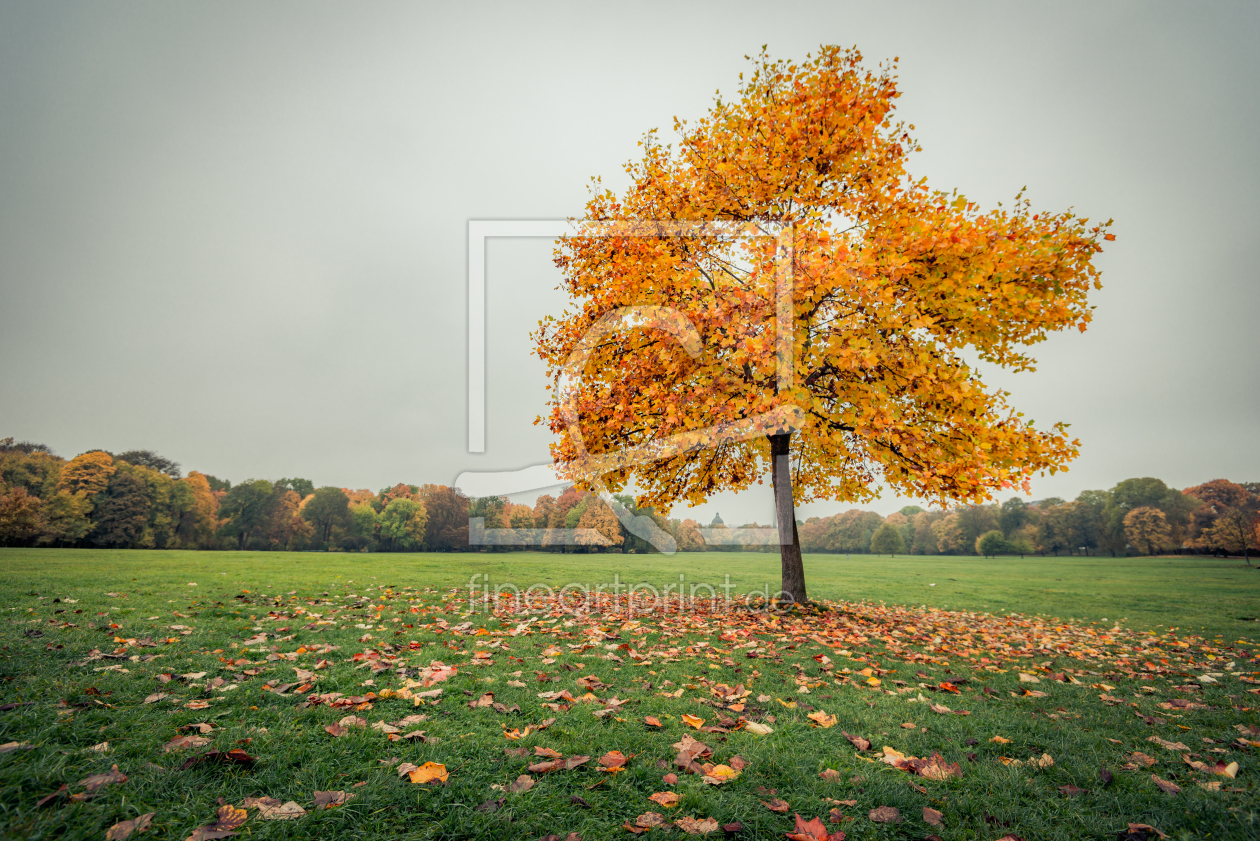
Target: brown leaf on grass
228, 819
329, 799
429, 772
201, 727
757, 728
98, 781
122, 830
613, 761
547, 752
670, 779
197, 705
694, 826
271, 809
652, 721
1164, 785
885, 814
1177, 746
932, 817
778, 804
668, 799
692, 720
936, 768
517, 752
650, 819
523, 783
152, 699
999, 740
1072, 791
353, 721
336, 730
829, 774
184, 743
1138, 760
1144, 830
715, 775
908, 725
405, 768
857, 741
484, 701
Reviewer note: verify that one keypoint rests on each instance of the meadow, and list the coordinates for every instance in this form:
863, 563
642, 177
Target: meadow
962, 698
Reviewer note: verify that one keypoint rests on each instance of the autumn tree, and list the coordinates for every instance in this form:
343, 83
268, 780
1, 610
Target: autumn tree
689, 538
447, 526
21, 516
603, 527
89, 473
887, 538
824, 331
1147, 527
199, 520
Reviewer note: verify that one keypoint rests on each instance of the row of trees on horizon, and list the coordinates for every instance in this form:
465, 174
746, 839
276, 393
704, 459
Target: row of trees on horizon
141, 500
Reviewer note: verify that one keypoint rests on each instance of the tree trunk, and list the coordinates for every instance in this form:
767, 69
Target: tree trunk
793, 585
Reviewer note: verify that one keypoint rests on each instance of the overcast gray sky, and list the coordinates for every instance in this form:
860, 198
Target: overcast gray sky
234, 232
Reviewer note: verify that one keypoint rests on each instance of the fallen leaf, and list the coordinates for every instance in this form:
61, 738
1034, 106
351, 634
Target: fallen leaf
931, 816
98, 781
228, 819
829, 774
652, 721
429, 772
1144, 829
613, 761
857, 741
184, 743
692, 720
271, 809
1177, 746
523, 783
778, 804
123, 829
668, 799
821, 719
693, 826
150, 699
1165, 786
1001, 741
885, 814
757, 728
329, 799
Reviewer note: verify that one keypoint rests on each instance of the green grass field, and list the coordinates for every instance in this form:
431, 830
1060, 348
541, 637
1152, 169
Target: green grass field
1082, 659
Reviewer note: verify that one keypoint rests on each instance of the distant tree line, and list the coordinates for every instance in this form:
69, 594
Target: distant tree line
141, 500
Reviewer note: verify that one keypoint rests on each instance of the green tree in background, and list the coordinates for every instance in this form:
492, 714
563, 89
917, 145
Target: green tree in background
328, 510
151, 460
402, 525
887, 538
245, 509
992, 543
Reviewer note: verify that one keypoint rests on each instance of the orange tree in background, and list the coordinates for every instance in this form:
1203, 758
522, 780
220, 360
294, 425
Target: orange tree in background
891, 283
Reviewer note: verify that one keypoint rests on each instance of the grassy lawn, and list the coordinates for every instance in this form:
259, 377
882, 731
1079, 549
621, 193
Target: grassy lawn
268, 651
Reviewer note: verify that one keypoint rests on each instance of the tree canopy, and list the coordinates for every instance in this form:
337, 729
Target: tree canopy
836, 306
